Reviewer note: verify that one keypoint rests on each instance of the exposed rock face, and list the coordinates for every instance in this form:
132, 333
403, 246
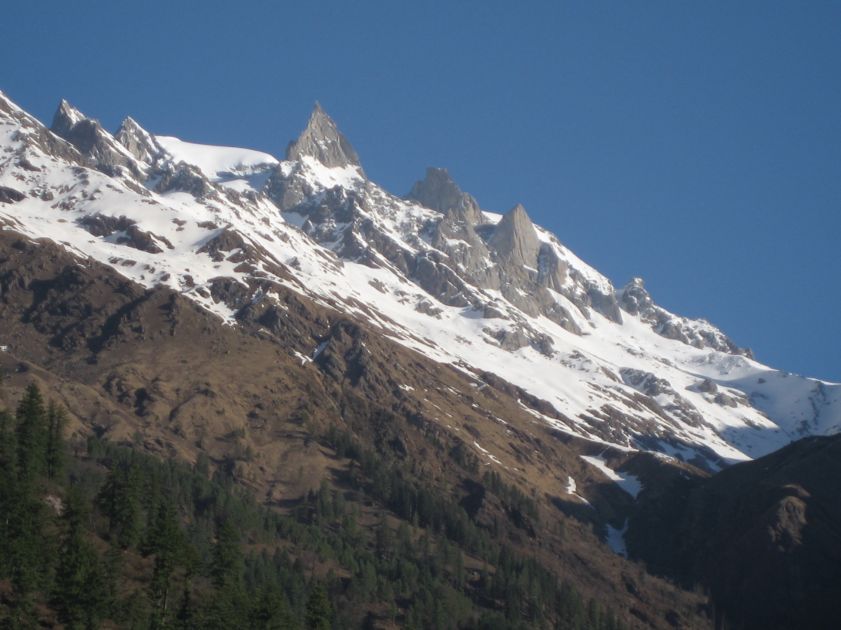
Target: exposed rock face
438, 191
455, 235
92, 141
185, 178
636, 300
10, 195
323, 141
552, 272
663, 398
138, 141
65, 119
37, 136
514, 238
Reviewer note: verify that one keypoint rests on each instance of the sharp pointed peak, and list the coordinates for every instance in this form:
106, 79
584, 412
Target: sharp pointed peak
66, 115
128, 121
322, 140
515, 238
137, 141
130, 125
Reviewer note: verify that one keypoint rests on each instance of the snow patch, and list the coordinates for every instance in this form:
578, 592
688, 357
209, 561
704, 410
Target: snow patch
628, 482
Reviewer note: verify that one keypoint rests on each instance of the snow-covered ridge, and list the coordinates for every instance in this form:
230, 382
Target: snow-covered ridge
230, 227
216, 163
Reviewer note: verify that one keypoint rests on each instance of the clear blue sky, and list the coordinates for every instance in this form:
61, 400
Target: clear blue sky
695, 144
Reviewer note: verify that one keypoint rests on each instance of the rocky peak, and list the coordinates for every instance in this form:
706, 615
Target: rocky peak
438, 191
72, 125
65, 119
634, 298
98, 147
137, 141
515, 239
323, 141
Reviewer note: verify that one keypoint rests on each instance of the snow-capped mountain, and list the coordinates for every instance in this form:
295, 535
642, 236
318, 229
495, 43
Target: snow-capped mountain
477, 290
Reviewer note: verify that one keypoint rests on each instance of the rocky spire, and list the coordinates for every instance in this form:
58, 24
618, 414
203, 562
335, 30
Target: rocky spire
71, 124
515, 239
137, 141
98, 146
438, 191
323, 141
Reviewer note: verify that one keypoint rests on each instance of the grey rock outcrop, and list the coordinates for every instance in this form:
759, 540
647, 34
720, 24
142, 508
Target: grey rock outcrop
438, 191
552, 272
323, 141
10, 195
137, 141
37, 135
635, 299
98, 146
515, 240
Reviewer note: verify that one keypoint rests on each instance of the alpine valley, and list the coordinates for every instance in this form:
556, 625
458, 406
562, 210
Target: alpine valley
549, 450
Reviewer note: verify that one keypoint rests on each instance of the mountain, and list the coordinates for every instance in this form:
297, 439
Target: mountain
294, 322
359, 418
464, 286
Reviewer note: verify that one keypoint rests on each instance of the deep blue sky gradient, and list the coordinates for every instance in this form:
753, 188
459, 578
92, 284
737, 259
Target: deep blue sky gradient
697, 145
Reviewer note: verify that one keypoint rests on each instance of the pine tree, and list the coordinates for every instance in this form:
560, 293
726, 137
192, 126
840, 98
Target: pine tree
270, 611
7, 487
227, 558
319, 610
31, 434
119, 500
24, 552
80, 593
167, 543
56, 420
186, 617
7, 445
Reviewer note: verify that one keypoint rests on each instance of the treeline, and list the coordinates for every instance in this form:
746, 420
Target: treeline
93, 534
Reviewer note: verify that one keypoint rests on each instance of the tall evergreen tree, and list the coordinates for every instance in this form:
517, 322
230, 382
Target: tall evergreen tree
167, 543
227, 558
80, 592
31, 434
56, 420
119, 500
8, 475
319, 610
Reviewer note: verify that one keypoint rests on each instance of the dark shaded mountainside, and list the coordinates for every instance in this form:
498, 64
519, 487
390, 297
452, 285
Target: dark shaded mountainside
764, 536
382, 427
